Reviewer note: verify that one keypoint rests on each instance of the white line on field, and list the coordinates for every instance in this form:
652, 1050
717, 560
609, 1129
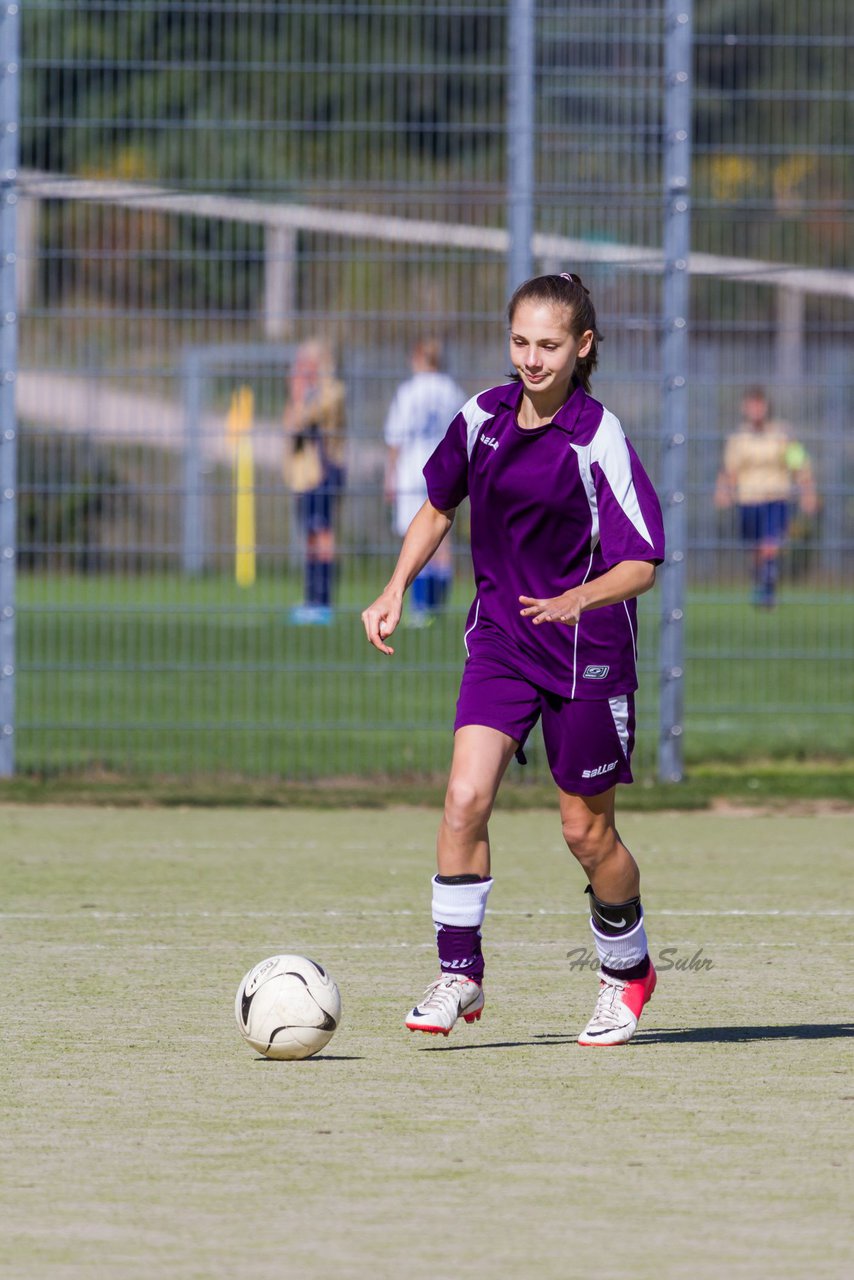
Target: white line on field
96, 913
665, 911
345, 947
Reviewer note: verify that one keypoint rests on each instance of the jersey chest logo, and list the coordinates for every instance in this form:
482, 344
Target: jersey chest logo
489, 441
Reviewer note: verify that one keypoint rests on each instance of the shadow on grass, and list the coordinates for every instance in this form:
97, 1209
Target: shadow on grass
681, 1035
315, 1060
735, 1035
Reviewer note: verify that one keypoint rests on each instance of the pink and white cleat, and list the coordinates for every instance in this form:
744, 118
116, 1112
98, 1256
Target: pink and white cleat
618, 1009
448, 998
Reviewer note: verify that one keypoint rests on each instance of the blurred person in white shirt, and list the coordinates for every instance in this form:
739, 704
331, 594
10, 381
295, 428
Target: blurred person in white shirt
417, 420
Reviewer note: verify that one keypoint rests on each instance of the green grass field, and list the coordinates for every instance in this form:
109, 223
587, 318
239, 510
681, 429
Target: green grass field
169, 676
142, 1137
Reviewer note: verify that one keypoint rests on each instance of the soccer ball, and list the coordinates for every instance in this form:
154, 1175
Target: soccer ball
287, 1007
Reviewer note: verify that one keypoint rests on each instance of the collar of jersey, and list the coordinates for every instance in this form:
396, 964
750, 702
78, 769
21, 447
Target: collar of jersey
566, 417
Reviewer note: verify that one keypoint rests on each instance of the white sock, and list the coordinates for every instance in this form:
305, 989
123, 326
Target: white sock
462, 905
623, 950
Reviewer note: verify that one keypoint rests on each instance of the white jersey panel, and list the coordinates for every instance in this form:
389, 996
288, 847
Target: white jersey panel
620, 711
475, 417
608, 448
582, 452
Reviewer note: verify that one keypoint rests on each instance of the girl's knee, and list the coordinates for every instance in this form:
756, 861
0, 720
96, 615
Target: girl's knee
589, 836
325, 545
465, 804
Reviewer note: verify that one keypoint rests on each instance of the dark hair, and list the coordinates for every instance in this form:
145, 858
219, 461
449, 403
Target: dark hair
567, 291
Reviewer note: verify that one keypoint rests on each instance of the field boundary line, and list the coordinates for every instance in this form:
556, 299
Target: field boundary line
97, 914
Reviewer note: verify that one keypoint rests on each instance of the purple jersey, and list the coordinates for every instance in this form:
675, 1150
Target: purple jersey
551, 508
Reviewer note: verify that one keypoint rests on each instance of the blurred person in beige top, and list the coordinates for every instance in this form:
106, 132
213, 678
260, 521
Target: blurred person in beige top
764, 469
314, 424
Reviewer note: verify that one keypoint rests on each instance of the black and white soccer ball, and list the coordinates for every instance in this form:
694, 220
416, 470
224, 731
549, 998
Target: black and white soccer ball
287, 1007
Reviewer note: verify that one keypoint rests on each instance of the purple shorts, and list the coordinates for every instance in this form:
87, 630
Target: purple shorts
588, 744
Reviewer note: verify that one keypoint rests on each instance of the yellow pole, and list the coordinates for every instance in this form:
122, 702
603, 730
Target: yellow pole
240, 417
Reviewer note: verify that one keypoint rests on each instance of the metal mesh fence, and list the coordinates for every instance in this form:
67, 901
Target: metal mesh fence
772, 187
205, 187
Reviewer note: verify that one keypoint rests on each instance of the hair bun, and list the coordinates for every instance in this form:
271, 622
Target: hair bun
572, 278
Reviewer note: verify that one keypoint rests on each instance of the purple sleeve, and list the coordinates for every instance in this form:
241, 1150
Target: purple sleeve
447, 468
630, 522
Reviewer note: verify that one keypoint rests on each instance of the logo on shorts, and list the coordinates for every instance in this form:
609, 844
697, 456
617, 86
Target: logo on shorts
595, 673
601, 768
489, 441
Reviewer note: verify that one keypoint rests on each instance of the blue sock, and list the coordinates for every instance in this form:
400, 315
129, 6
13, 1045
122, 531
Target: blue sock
437, 585
318, 582
324, 583
769, 576
442, 587
420, 589
310, 591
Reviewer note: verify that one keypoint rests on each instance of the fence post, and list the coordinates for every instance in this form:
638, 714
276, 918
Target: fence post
10, 20
520, 139
790, 339
280, 281
830, 463
675, 303
194, 541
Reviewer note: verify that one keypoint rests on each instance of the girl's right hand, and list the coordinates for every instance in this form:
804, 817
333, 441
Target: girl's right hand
381, 618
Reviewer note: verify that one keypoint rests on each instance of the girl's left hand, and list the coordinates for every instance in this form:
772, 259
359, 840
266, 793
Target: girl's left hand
566, 609
381, 618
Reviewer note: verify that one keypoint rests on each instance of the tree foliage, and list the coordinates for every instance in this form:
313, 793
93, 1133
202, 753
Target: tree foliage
252, 96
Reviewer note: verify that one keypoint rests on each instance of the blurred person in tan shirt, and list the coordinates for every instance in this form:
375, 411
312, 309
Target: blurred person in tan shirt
314, 422
764, 470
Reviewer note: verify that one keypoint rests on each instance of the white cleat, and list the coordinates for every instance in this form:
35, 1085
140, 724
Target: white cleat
618, 1009
448, 998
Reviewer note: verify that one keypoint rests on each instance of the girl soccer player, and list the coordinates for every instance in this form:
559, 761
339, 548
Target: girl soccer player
566, 532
